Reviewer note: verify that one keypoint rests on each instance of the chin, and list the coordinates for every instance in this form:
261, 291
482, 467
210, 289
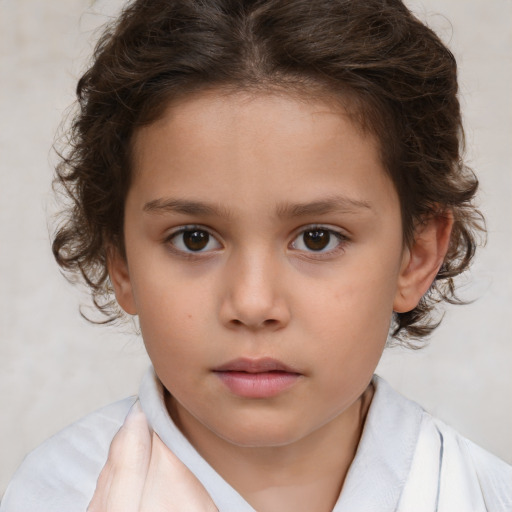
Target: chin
258, 435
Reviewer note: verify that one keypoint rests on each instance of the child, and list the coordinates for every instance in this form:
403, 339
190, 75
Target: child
267, 185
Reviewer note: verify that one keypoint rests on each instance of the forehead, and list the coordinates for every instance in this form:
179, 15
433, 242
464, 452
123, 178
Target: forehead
310, 115
253, 147
287, 113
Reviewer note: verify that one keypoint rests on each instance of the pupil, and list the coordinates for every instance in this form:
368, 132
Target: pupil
196, 240
316, 240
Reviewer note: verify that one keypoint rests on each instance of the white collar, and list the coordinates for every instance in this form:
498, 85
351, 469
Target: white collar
382, 462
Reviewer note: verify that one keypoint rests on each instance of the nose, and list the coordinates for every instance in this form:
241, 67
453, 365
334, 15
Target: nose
253, 297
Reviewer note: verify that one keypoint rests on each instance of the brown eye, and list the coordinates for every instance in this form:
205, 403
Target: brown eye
316, 240
196, 240
193, 240
319, 239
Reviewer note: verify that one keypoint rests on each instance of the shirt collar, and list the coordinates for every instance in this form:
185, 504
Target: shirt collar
379, 471
382, 461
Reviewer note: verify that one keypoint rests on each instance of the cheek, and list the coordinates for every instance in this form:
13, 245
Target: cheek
354, 302
349, 316
171, 315
165, 291
351, 326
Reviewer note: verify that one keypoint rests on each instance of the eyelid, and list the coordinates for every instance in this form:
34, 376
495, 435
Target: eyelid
189, 253
341, 236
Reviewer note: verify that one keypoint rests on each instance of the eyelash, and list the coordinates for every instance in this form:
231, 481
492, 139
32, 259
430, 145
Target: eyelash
188, 253
189, 229
341, 239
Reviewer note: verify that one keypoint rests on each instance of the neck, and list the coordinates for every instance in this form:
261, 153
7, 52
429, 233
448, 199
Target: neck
302, 476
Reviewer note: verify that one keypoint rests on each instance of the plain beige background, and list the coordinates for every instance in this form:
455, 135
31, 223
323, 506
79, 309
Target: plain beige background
55, 367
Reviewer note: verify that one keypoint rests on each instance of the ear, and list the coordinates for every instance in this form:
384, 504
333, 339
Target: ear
421, 261
120, 278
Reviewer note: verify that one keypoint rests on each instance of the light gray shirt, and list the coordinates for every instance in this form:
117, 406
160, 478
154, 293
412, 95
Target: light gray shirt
406, 461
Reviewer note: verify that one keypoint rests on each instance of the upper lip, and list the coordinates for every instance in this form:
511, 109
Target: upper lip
261, 365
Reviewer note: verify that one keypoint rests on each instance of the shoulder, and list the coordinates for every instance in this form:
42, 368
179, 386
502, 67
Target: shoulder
486, 472
436, 467
449, 472
61, 474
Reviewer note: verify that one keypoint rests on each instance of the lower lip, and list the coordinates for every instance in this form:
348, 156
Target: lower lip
258, 385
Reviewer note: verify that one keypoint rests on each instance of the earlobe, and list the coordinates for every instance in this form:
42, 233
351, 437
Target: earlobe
421, 261
120, 278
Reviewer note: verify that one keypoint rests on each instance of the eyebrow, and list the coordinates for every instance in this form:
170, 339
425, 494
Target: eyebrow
334, 204
185, 207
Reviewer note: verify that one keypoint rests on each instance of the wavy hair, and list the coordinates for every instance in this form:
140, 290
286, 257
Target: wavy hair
396, 78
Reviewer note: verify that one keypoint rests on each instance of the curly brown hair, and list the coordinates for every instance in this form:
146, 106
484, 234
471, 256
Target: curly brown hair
393, 74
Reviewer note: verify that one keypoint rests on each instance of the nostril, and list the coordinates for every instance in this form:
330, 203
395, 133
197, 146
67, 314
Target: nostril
271, 322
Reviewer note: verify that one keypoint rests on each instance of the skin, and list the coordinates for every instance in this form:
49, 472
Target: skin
256, 171
137, 473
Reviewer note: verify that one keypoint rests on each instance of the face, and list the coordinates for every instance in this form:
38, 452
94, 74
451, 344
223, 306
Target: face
263, 258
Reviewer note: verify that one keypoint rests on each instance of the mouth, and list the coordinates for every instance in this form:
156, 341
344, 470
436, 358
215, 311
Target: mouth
257, 378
